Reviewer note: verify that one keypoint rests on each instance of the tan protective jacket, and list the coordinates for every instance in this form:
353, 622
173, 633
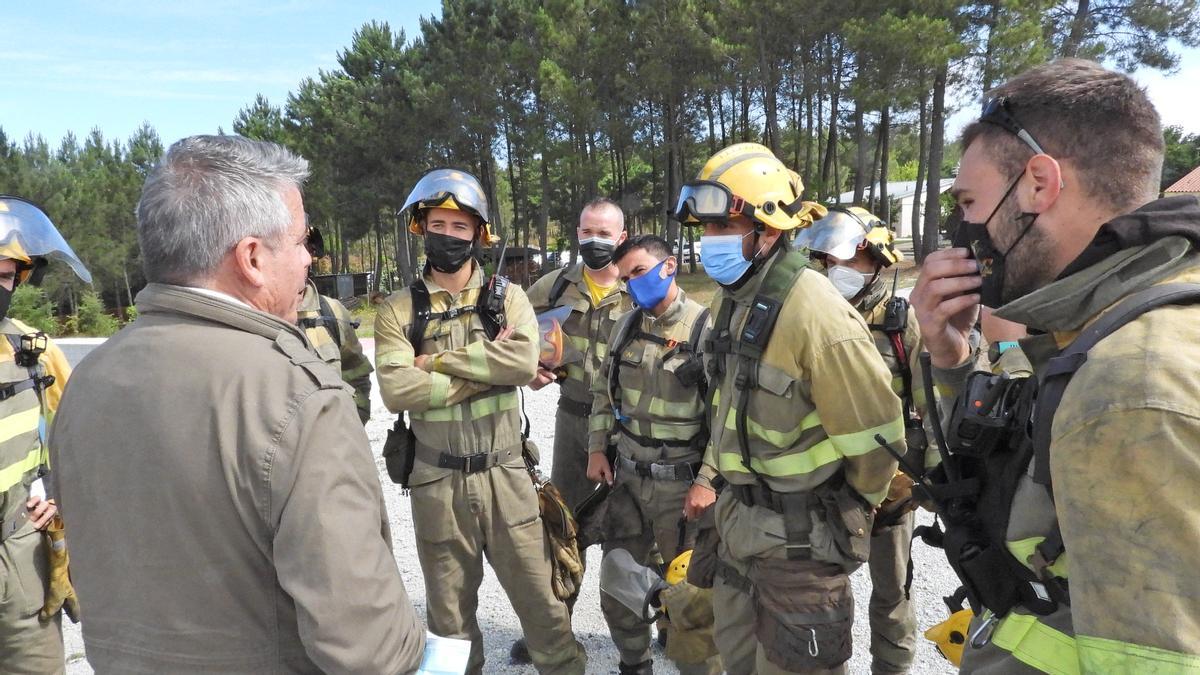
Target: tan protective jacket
588, 327
469, 404
348, 358
656, 404
225, 517
823, 395
1123, 459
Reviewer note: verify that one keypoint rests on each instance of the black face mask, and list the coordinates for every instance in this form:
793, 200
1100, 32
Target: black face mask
448, 254
991, 259
5, 300
596, 252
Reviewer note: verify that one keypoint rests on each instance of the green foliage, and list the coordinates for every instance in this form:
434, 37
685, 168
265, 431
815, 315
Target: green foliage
1183, 155
90, 318
31, 306
554, 102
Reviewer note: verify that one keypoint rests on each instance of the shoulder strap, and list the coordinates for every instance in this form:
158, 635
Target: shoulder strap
490, 305
330, 320
1060, 369
420, 314
561, 282
627, 329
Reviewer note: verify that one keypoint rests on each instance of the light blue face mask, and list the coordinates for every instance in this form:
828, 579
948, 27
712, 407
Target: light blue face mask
723, 259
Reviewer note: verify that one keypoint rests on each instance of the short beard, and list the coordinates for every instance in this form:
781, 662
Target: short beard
1028, 265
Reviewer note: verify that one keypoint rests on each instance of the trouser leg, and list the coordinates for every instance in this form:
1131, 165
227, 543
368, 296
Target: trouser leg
450, 550
893, 621
520, 555
28, 646
733, 625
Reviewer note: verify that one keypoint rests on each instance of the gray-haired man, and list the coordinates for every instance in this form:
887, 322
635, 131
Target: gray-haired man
224, 513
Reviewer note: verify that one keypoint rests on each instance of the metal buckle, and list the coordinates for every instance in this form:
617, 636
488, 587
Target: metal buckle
983, 635
662, 471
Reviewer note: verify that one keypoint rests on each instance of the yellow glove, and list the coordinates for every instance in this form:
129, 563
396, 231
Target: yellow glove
60, 594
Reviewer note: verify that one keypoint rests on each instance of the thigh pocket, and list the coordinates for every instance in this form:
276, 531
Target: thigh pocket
516, 499
28, 575
804, 613
433, 510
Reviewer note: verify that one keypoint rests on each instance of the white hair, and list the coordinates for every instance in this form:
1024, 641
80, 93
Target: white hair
205, 195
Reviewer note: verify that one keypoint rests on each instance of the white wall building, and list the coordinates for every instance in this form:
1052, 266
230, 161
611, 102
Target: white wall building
901, 194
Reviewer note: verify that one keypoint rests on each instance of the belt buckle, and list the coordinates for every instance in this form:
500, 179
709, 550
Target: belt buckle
470, 460
660, 471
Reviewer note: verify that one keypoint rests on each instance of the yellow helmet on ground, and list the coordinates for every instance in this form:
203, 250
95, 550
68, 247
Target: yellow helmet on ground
747, 179
28, 236
846, 229
678, 569
448, 189
950, 636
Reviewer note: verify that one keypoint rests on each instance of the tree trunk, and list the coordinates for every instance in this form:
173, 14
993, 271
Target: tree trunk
375, 282
770, 89
915, 222
885, 137
828, 168
933, 192
1079, 24
860, 156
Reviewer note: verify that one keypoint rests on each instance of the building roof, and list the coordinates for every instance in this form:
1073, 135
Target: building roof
1189, 183
896, 190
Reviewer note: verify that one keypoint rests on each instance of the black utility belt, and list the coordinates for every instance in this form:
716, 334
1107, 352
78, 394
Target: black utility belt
758, 495
480, 461
576, 408
681, 471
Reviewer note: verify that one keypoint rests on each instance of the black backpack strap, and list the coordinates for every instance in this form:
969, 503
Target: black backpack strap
697, 347
330, 320
1060, 369
626, 332
561, 282
420, 314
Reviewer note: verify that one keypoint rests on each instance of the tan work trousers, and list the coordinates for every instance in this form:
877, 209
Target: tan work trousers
459, 519
748, 535
642, 513
27, 645
893, 621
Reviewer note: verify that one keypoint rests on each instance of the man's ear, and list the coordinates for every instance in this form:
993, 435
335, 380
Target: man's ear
623, 236
1046, 184
670, 266
248, 261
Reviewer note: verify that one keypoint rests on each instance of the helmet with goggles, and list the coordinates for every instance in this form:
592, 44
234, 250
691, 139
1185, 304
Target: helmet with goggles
746, 179
448, 189
844, 230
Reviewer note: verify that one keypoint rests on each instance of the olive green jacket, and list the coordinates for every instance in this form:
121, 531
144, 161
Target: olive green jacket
587, 329
223, 507
349, 359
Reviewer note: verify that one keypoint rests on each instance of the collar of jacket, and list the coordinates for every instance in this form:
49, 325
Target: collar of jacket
475, 281
745, 295
874, 312
874, 296
673, 314
574, 274
311, 302
168, 299
1065, 306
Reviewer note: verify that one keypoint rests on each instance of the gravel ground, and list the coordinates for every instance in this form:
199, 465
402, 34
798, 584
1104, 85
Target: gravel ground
933, 577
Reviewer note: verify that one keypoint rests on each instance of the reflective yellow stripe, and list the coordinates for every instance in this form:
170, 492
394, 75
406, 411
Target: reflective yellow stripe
1040, 646
599, 422
862, 442
477, 357
1023, 548
20, 423
483, 407
788, 465
779, 439
13, 473
439, 389
1100, 655
577, 373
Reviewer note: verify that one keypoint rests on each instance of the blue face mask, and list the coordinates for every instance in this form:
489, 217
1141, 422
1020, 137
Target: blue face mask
649, 289
723, 259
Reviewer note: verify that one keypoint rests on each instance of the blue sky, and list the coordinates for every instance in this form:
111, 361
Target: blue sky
188, 66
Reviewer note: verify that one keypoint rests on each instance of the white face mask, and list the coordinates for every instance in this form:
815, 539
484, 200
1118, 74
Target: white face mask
847, 280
